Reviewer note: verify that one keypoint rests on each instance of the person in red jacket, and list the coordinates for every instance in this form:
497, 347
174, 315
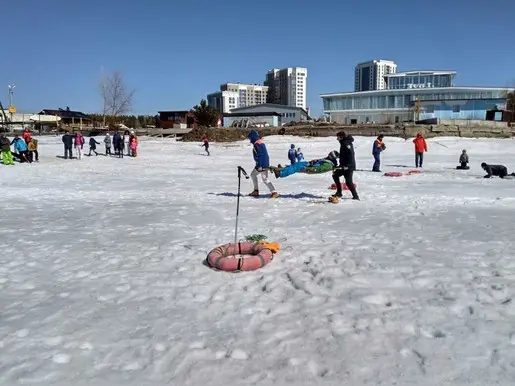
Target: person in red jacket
420, 148
26, 136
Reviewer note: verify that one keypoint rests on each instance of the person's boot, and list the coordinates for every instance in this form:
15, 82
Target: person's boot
254, 193
338, 193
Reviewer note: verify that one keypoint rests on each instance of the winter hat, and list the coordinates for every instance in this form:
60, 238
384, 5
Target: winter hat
483, 164
298, 149
292, 146
464, 151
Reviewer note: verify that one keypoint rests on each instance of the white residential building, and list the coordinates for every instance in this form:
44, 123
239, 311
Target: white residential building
287, 86
369, 76
234, 95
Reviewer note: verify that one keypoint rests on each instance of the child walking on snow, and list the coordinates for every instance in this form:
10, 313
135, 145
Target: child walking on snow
262, 160
107, 142
205, 143
93, 146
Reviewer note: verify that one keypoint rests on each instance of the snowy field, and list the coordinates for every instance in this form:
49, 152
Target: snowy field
102, 280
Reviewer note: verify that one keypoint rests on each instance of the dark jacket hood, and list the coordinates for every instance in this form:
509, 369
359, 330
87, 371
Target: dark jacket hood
253, 136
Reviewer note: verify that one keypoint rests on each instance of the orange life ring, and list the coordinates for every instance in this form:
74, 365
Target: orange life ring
245, 256
344, 186
393, 174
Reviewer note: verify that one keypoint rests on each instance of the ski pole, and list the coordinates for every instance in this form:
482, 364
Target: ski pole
240, 171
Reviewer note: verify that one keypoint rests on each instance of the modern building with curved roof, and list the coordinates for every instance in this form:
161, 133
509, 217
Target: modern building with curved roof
416, 95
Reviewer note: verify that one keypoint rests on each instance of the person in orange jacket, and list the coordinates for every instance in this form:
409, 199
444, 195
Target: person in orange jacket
420, 148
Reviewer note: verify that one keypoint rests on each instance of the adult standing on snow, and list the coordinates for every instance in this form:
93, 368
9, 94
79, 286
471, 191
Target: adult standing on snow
262, 160
78, 143
347, 165
68, 144
116, 139
292, 154
420, 148
377, 148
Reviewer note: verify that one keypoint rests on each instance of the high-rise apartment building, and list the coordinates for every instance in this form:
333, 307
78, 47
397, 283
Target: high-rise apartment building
287, 86
369, 75
234, 95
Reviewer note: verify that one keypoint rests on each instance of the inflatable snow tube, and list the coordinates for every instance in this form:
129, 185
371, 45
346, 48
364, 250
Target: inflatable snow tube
244, 256
393, 174
344, 186
414, 171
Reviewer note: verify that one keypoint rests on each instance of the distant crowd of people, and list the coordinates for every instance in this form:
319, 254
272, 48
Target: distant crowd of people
25, 148
126, 142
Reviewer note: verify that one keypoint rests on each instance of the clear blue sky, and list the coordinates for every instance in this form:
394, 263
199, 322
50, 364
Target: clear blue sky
175, 52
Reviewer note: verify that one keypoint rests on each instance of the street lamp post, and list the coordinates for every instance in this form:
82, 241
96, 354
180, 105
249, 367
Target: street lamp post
11, 91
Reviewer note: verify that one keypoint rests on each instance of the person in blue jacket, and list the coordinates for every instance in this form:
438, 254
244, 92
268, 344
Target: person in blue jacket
292, 154
300, 156
262, 160
377, 148
21, 148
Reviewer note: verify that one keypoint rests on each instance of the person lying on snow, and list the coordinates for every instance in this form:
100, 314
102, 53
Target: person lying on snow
310, 167
496, 170
464, 160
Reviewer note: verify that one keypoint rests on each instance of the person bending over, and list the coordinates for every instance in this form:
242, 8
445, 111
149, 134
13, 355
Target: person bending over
500, 171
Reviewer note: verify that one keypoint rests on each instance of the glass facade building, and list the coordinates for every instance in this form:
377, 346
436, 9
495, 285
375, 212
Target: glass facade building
403, 99
393, 106
419, 79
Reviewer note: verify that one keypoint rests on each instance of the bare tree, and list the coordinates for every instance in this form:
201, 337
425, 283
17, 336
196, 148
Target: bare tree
116, 98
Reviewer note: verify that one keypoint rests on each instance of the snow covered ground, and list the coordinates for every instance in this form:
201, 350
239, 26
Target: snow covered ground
102, 280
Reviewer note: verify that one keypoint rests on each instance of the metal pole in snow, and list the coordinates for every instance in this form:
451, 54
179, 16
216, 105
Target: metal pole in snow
240, 171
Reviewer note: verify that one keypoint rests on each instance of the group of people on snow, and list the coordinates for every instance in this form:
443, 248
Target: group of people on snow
345, 169
128, 141
295, 155
25, 148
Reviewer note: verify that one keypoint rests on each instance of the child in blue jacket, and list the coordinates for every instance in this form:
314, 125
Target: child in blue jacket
292, 154
21, 147
262, 160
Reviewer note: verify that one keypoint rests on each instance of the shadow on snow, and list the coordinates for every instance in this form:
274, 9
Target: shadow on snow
294, 196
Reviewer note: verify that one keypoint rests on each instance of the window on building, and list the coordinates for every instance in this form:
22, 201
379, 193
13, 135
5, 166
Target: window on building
397, 119
456, 109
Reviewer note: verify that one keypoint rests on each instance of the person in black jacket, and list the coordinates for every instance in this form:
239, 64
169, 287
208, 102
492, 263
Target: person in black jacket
496, 170
347, 165
68, 145
93, 145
